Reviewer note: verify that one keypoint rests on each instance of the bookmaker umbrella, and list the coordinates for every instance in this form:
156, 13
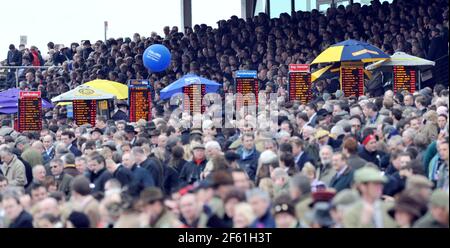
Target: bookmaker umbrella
177, 86
350, 50
332, 71
401, 59
111, 87
83, 92
9, 101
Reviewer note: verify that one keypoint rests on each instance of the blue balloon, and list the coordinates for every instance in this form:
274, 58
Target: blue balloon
156, 58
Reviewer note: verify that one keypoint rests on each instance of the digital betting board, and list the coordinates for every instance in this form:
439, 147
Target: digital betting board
139, 100
299, 84
84, 112
246, 83
194, 93
352, 79
405, 78
30, 111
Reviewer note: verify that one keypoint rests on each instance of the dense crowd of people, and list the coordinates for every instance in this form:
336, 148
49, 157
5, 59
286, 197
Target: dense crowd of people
373, 161
418, 27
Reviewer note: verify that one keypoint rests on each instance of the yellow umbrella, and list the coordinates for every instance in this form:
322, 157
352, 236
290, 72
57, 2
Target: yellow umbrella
350, 50
320, 73
332, 70
63, 103
115, 88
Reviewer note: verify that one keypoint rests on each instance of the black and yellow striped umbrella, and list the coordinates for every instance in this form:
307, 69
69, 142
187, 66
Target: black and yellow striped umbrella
351, 50
332, 71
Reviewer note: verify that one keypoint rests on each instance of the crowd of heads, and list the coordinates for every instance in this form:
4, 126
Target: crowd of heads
257, 43
335, 162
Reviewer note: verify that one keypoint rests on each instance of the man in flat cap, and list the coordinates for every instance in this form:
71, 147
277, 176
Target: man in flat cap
158, 216
370, 211
419, 184
437, 216
192, 169
341, 204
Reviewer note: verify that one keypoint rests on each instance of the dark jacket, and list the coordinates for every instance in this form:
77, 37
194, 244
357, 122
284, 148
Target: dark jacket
59, 57
313, 152
74, 150
141, 178
178, 166
335, 143
99, 179
313, 120
24, 220
46, 158
120, 115
191, 172
376, 157
171, 179
249, 163
343, 181
86, 51
220, 138
123, 175
266, 221
394, 184
14, 58
438, 47
304, 157
201, 222
28, 170
50, 152
390, 170
154, 166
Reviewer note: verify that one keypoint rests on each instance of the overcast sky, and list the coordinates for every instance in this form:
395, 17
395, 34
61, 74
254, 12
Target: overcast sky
64, 22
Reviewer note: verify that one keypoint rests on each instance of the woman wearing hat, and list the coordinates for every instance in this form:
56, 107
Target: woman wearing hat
284, 212
408, 209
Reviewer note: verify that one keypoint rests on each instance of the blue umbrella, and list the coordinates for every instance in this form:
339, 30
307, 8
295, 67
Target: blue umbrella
189, 79
5, 103
9, 101
8, 110
11, 93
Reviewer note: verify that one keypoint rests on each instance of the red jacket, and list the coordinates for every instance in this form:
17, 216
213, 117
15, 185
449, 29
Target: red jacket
36, 61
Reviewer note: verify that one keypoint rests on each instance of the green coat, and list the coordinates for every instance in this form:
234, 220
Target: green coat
430, 152
63, 184
352, 219
302, 208
167, 220
326, 174
427, 221
32, 156
217, 207
277, 190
